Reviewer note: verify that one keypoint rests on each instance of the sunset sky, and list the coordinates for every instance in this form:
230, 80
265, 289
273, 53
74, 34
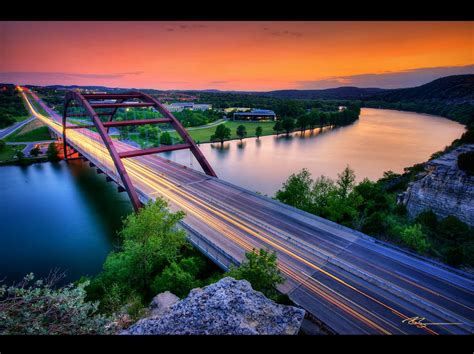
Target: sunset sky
234, 55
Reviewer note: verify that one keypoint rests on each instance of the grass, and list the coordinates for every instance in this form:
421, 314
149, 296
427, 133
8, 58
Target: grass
33, 131
8, 152
204, 135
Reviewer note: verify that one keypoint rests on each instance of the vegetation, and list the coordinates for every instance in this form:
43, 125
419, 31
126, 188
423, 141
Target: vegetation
221, 134
30, 133
36, 307
189, 118
12, 108
278, 128
371, 207
466, 162
154, 257
288, 124
165, 139
35, 151
52, 152
8, 152
258, 132
241, 132
20, 156
261, 271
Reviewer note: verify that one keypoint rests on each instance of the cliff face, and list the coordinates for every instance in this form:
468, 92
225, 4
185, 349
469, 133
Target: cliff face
227, 307
443, 188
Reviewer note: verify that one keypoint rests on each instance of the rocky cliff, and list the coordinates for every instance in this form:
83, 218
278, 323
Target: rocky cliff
227, 307
443, 188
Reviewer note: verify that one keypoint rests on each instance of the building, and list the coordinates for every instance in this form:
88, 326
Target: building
255, 114
180, 106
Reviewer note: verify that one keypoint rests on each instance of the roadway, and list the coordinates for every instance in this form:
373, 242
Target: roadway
12, 128
351, 282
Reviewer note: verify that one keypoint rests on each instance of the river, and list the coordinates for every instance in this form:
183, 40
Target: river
59, 215
379, 141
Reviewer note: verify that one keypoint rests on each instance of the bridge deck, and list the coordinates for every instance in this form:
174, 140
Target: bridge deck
349, 281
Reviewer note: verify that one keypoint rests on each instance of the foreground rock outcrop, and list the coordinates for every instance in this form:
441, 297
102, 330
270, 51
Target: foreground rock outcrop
227, 307
443, 188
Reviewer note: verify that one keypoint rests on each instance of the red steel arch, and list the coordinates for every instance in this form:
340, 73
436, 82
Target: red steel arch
120, 100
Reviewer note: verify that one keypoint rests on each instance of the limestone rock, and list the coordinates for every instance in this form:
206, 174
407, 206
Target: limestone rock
227, 307
161, 303
443, 188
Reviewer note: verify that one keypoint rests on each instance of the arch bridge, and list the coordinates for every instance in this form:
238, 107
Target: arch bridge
108, 104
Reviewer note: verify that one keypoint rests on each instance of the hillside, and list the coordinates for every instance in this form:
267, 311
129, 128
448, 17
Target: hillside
453, 89
451, 97
339, 93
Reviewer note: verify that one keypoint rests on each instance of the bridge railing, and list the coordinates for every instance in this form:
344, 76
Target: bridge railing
213, 252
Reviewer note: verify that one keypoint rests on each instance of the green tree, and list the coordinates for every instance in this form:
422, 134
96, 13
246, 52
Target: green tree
179, 277
151, 241
2, 144
288, 124
241, 132
142, 131
414, 237
35, 151
452, 235
165, 139
20, 155
221, 134
52, 152
323, 188
38, 308
296, 191
261, 271
313, 118
258, 132
302, 122
278, 128
153, 133
345, 181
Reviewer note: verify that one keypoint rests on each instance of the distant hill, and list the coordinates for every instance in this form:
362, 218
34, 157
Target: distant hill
452, 89
451, 97
339, 93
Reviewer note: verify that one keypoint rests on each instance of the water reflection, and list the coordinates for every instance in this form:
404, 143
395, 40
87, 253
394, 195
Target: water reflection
69, 220
379, 141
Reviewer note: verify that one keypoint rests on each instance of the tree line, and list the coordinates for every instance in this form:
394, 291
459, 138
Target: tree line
11, 105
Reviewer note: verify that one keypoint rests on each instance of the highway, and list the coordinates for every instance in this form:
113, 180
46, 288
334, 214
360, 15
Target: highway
351, 282
14, 127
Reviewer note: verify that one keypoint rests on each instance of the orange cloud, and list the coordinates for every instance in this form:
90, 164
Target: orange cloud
227, 55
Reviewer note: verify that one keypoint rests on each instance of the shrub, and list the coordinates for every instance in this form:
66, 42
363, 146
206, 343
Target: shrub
36, 307
52, 152
261, 271
414, 237
466, 162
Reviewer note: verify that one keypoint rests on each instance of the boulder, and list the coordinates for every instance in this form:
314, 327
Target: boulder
229, 307
161, 303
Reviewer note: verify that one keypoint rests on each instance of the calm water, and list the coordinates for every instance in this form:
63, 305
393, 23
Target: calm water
379, 141
66, 216
57, 216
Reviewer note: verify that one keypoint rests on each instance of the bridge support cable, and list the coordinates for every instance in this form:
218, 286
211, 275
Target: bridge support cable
92, 102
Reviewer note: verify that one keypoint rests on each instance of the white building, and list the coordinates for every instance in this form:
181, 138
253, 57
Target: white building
180, 106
